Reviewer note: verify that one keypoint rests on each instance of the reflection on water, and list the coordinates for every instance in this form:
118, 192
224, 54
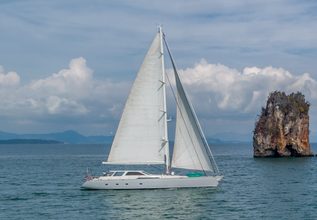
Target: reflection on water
158, 204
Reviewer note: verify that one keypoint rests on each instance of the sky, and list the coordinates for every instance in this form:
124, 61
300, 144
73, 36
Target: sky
70, 64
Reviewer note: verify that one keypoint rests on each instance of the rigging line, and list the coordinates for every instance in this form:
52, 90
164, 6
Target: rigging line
202, 136
206, 146
176, 74
174, 95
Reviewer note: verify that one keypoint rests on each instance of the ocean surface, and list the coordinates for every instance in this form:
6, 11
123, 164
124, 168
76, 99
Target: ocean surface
44, 182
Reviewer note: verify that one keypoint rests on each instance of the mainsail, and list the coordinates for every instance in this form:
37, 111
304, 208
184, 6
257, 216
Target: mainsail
141, 137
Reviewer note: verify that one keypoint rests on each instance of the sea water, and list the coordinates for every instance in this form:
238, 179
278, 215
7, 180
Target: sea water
44, 182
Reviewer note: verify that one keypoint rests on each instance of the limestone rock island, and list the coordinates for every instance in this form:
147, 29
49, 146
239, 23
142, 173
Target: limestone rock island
282, 129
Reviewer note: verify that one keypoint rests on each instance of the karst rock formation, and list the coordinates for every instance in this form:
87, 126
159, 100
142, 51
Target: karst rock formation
282, 129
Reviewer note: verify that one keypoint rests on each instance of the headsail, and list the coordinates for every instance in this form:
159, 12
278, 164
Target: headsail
191, 150
140, 135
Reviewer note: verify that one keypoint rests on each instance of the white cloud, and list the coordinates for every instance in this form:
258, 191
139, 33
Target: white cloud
76, 81
62, 93
8, 79
242, 91
57, 105
70, 92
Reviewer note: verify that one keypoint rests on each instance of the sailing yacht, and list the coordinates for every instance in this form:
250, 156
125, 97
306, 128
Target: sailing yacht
142, 134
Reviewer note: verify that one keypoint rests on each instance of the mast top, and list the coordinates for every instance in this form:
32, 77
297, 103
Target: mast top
160, 28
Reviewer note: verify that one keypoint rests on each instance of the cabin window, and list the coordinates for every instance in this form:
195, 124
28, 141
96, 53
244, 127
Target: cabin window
118, 173
108, 173
134, 174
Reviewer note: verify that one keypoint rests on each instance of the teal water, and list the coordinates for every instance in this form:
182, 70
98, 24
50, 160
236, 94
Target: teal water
43, 182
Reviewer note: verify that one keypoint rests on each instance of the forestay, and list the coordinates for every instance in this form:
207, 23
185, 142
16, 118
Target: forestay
138, 139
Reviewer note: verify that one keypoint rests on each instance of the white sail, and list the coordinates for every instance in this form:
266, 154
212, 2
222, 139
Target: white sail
190, 148
141, 134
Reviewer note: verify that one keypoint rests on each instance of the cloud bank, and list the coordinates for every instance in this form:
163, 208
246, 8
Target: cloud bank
73, 98
231, 90
68, 99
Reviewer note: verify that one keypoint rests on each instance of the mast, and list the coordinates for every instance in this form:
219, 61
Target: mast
165, 143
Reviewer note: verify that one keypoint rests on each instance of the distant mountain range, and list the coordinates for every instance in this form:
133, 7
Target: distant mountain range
29, 141
71, 137
231, 137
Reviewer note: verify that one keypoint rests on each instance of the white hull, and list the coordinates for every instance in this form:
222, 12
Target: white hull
152, 182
